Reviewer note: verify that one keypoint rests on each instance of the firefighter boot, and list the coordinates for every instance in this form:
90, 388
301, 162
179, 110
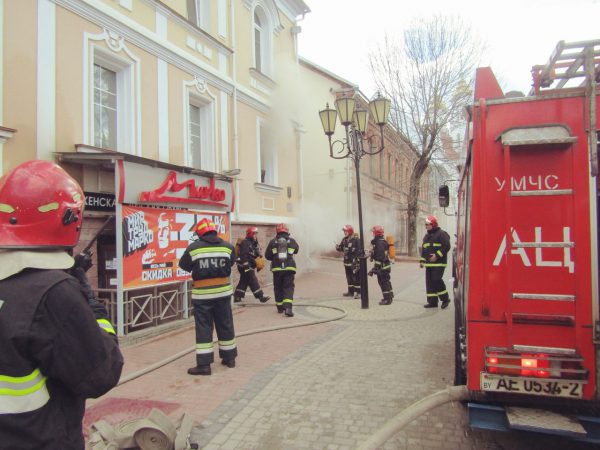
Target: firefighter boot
445, 303
264, 299
386, 301
200, 370
356, 294
228, 362
280, 309
347, 294
237, 299
288, 310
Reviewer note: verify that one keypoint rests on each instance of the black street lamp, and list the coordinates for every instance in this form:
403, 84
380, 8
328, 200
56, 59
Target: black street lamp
355, 121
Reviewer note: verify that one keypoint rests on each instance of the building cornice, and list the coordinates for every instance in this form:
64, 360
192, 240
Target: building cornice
293, 8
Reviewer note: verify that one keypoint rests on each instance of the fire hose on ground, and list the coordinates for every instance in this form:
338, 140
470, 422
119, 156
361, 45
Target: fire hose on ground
157, 431
414, 411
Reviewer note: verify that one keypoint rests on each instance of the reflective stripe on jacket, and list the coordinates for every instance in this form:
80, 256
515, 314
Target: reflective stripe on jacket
350, 245
54, 355
209, 259
381, 260
23, 394
249, 251
436, 241
277, 263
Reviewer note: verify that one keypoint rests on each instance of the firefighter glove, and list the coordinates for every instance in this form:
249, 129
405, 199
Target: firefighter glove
83, 260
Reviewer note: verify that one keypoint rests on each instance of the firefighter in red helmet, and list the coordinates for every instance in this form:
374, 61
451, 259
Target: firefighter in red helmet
246, 264
350, 246
382, 265
434, 257
280, 251
58, 346
209, 259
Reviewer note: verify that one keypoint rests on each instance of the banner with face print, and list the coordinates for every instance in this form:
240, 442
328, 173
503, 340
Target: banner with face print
154, 240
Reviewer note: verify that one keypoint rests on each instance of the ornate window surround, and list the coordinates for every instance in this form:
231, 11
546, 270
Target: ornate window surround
197, 92
110, 50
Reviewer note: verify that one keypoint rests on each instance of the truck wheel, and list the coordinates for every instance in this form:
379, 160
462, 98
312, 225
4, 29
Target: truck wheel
460, 375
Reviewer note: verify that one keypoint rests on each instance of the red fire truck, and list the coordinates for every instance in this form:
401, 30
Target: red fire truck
526, 259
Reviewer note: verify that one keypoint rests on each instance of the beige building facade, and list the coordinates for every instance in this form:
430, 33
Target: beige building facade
142, 98
180, 109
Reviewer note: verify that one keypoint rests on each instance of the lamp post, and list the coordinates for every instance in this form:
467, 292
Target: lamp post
355, 121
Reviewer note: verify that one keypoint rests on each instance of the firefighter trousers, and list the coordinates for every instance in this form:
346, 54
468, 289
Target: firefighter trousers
283, 285
352, 278
248, 279
436, 288
383, 278
208, 313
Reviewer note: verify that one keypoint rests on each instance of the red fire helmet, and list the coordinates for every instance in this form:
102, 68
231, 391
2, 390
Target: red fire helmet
204, 226
431, 220
251, 231
348, 229
41, 206
282, 228
377, 230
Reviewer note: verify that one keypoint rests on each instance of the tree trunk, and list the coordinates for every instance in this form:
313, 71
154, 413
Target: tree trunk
412, 215
413, 203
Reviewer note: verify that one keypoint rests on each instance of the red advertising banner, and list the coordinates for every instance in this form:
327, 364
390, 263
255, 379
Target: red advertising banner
154, 240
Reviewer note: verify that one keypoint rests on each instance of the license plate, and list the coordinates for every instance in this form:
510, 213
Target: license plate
515, 385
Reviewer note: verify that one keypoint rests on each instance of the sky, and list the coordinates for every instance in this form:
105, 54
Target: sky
517, 34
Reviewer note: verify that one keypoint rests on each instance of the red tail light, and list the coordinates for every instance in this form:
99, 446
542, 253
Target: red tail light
536, 365
491, 362
530, 366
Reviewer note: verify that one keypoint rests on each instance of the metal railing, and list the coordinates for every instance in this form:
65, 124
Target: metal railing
148, 307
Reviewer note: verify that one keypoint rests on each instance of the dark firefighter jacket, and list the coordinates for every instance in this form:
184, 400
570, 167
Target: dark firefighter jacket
350, 245
436, 241
55, 354
209, 259
379, 254
249, 251
281, 251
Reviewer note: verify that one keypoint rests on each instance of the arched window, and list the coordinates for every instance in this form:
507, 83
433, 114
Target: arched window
262, 32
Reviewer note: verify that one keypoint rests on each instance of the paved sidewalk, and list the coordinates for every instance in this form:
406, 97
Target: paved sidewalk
326, 386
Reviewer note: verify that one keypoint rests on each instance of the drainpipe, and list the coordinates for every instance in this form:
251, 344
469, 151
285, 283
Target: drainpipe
236, 159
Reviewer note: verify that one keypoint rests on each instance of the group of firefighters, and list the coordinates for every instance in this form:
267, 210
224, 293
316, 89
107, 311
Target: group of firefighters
58, 344
434, 257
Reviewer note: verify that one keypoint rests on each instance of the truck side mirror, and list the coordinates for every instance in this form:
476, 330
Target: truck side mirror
444, 196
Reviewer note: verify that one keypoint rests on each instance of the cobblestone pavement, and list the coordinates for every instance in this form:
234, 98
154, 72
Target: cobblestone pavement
326, 386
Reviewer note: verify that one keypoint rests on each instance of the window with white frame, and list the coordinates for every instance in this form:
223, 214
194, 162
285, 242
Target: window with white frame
195, 136
105, 108
200, 133
267, 156
114, 96
262, 41
199, 13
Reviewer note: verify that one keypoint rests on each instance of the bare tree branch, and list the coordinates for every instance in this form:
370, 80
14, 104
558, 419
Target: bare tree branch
428, 75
